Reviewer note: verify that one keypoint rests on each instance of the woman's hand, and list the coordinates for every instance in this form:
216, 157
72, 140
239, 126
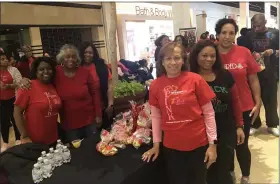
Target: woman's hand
210, 155
153, 152
254, 113
25, 83
109, 111
25, 140
240, 136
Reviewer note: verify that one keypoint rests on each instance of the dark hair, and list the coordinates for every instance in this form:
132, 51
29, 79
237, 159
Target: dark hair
243, 31
203, 36
184, 41
4, 54
167, 48
142, 62
194, 67
212, 37
101, 69
206, 32
36, 63
222, 22
159, 39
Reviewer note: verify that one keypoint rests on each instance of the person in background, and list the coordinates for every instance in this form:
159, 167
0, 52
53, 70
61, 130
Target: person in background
203, 36
9, 80
25, 61
242, 39
160, 42
207, 34
36, 110
103, 78
145, 76
243, 67
265, 41
212, 38
181, 108
77, 89
206, 62
181, 40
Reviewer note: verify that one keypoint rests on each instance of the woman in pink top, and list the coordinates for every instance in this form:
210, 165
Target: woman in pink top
243, 67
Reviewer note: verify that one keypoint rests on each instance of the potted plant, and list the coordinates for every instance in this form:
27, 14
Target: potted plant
127, 91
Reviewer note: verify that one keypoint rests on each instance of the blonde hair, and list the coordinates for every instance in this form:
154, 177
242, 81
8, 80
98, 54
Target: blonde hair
61, 54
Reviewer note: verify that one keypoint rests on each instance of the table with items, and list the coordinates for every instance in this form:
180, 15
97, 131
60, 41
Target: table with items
113, 157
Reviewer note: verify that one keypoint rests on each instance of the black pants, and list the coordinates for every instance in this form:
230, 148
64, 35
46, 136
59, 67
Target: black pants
269, 98
219, 172
243, 153
6, 117
185, 167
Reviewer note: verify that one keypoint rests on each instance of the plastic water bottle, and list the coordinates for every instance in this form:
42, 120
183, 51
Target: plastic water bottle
37, 173
66, 155
47, 169
43, 154
51, 150
58, 158
51, 160
40, 160
59, 148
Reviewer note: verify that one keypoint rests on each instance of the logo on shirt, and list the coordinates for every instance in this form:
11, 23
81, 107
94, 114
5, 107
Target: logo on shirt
52, 99
233, 66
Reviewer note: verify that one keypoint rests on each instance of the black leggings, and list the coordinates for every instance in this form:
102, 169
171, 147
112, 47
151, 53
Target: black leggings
243, 153
219, 172
6, 112
186, 167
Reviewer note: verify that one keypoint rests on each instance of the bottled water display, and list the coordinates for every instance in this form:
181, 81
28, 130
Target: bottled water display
51, 160
51, 150
43, 154
58, 158
66, 155
37, 174
40, 160
47, 169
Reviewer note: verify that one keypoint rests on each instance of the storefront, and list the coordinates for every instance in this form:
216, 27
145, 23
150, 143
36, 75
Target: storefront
139, 25
48, 25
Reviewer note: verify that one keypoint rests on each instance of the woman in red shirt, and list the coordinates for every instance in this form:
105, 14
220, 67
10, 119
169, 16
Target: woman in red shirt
243, 67
102, 77
24, 65
205, 61
181, 107
9, 79
36, 110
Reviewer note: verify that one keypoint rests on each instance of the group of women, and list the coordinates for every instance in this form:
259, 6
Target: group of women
75, 90
202, 116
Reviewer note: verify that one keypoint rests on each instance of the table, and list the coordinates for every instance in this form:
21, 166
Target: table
90, 167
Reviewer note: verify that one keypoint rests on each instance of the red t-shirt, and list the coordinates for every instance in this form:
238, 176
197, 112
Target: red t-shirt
41, 104
240, 62
23, 68
77, 95
180, 100
6, 78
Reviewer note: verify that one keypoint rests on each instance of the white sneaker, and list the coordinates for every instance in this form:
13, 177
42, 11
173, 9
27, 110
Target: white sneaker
18, 142
253, 131
244, 180
273, 131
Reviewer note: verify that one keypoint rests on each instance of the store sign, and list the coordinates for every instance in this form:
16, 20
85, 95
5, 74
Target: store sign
153, 12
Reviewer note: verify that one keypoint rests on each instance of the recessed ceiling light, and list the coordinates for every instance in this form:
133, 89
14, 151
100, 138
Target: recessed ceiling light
21, 29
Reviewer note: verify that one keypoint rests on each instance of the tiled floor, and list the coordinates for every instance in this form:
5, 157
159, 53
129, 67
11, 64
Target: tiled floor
265, 157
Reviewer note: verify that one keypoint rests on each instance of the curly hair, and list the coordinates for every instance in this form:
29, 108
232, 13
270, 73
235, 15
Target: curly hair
184, 41
222, 22
61, 54
36, 63
167, 49
194, 67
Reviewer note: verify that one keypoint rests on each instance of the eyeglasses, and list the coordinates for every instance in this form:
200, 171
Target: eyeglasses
170, 59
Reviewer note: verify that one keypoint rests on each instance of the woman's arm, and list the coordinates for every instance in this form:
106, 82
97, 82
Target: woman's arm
156, 124
236, 106
256, 90
94, 91
20, 122
210, 122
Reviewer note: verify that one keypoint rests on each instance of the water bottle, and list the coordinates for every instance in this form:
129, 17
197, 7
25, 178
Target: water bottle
43, 154
58, 158
51, 151
59, 147
66, 155
40, 160
51, 161
47, 169
37, 173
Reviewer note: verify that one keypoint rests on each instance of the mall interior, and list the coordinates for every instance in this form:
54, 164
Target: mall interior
124, 30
